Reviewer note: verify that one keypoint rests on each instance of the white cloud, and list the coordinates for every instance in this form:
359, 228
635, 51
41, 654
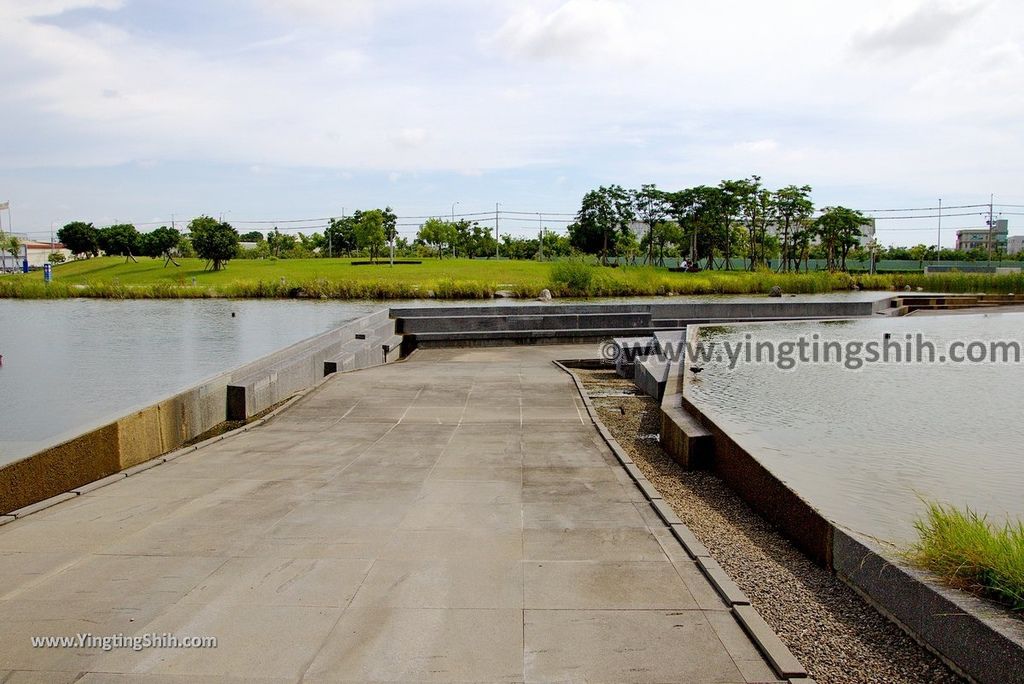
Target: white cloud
601, 29
929, 24
626, 91
758, 146
410, 137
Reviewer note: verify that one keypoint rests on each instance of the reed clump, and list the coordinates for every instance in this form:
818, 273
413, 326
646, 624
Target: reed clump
969, 552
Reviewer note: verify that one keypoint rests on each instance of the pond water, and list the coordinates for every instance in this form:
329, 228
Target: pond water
865, 446
71, 365
74, 364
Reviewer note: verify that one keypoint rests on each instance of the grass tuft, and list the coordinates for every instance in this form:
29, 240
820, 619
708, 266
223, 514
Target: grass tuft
969, 552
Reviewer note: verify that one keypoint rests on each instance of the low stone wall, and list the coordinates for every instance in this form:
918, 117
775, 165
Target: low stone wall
981, 642
166, 425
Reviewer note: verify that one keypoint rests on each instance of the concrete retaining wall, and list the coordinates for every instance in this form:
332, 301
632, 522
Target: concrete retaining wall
978, 640
167, 424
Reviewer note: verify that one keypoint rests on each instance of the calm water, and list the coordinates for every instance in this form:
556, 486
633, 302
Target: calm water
863, 445
70, 365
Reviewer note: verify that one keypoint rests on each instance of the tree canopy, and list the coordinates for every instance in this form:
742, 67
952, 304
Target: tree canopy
213, 240
121, 239
80, 238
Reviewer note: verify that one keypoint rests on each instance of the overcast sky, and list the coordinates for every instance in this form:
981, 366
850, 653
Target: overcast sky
122, 110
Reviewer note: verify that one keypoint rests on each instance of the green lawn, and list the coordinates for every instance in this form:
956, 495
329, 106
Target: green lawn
111, 277
149, 271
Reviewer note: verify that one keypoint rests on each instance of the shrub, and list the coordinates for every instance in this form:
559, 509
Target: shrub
572, 276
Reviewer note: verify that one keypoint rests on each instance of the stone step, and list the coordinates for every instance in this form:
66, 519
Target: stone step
522, 321
508, 337
684, 438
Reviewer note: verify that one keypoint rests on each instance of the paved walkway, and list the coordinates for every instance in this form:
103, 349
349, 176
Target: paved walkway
451, 518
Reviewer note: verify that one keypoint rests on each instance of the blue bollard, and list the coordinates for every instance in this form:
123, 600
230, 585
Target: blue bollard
47, 273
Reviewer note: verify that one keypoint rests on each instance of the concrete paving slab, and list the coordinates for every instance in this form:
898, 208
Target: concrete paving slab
591, 585
325, 582
580, 544
249, 641
554, 515
578, 489
444, 583
352, 539
479, 544
145, 579
422, 645
484, 491
39, 677
624, 646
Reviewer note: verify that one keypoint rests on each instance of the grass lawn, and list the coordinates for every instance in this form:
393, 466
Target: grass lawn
111, 277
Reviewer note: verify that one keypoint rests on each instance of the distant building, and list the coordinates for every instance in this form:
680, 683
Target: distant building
38, 253
1015, 244
994, 237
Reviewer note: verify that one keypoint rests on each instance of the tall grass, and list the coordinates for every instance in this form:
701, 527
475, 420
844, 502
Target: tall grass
572, 277
460, 279
971, 553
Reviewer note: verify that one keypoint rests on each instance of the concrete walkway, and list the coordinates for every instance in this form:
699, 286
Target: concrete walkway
452, 518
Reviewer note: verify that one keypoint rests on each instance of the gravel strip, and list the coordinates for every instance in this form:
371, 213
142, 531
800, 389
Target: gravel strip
829, 628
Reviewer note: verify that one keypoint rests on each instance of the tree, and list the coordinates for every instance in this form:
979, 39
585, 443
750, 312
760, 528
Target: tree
437, 232
627, 246
794, 206
281, 244
730, 197
698, 212
213, 240
121, 239
341, 235
252, 236
161, 242
371, 234
651, 207
390, 221
12, 244
603, 213
839, 229
80, 237
755, 204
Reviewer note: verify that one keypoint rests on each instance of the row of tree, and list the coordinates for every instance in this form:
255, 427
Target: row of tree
733, 218
736, 219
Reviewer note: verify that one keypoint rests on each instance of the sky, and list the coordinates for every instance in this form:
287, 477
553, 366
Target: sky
285, 110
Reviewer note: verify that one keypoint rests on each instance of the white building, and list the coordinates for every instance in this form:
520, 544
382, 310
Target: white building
1015, 244
37, 253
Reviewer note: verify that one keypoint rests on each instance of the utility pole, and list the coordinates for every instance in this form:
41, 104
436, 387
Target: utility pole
991, 228
938, 240
453, 227
540, 228
496, 243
